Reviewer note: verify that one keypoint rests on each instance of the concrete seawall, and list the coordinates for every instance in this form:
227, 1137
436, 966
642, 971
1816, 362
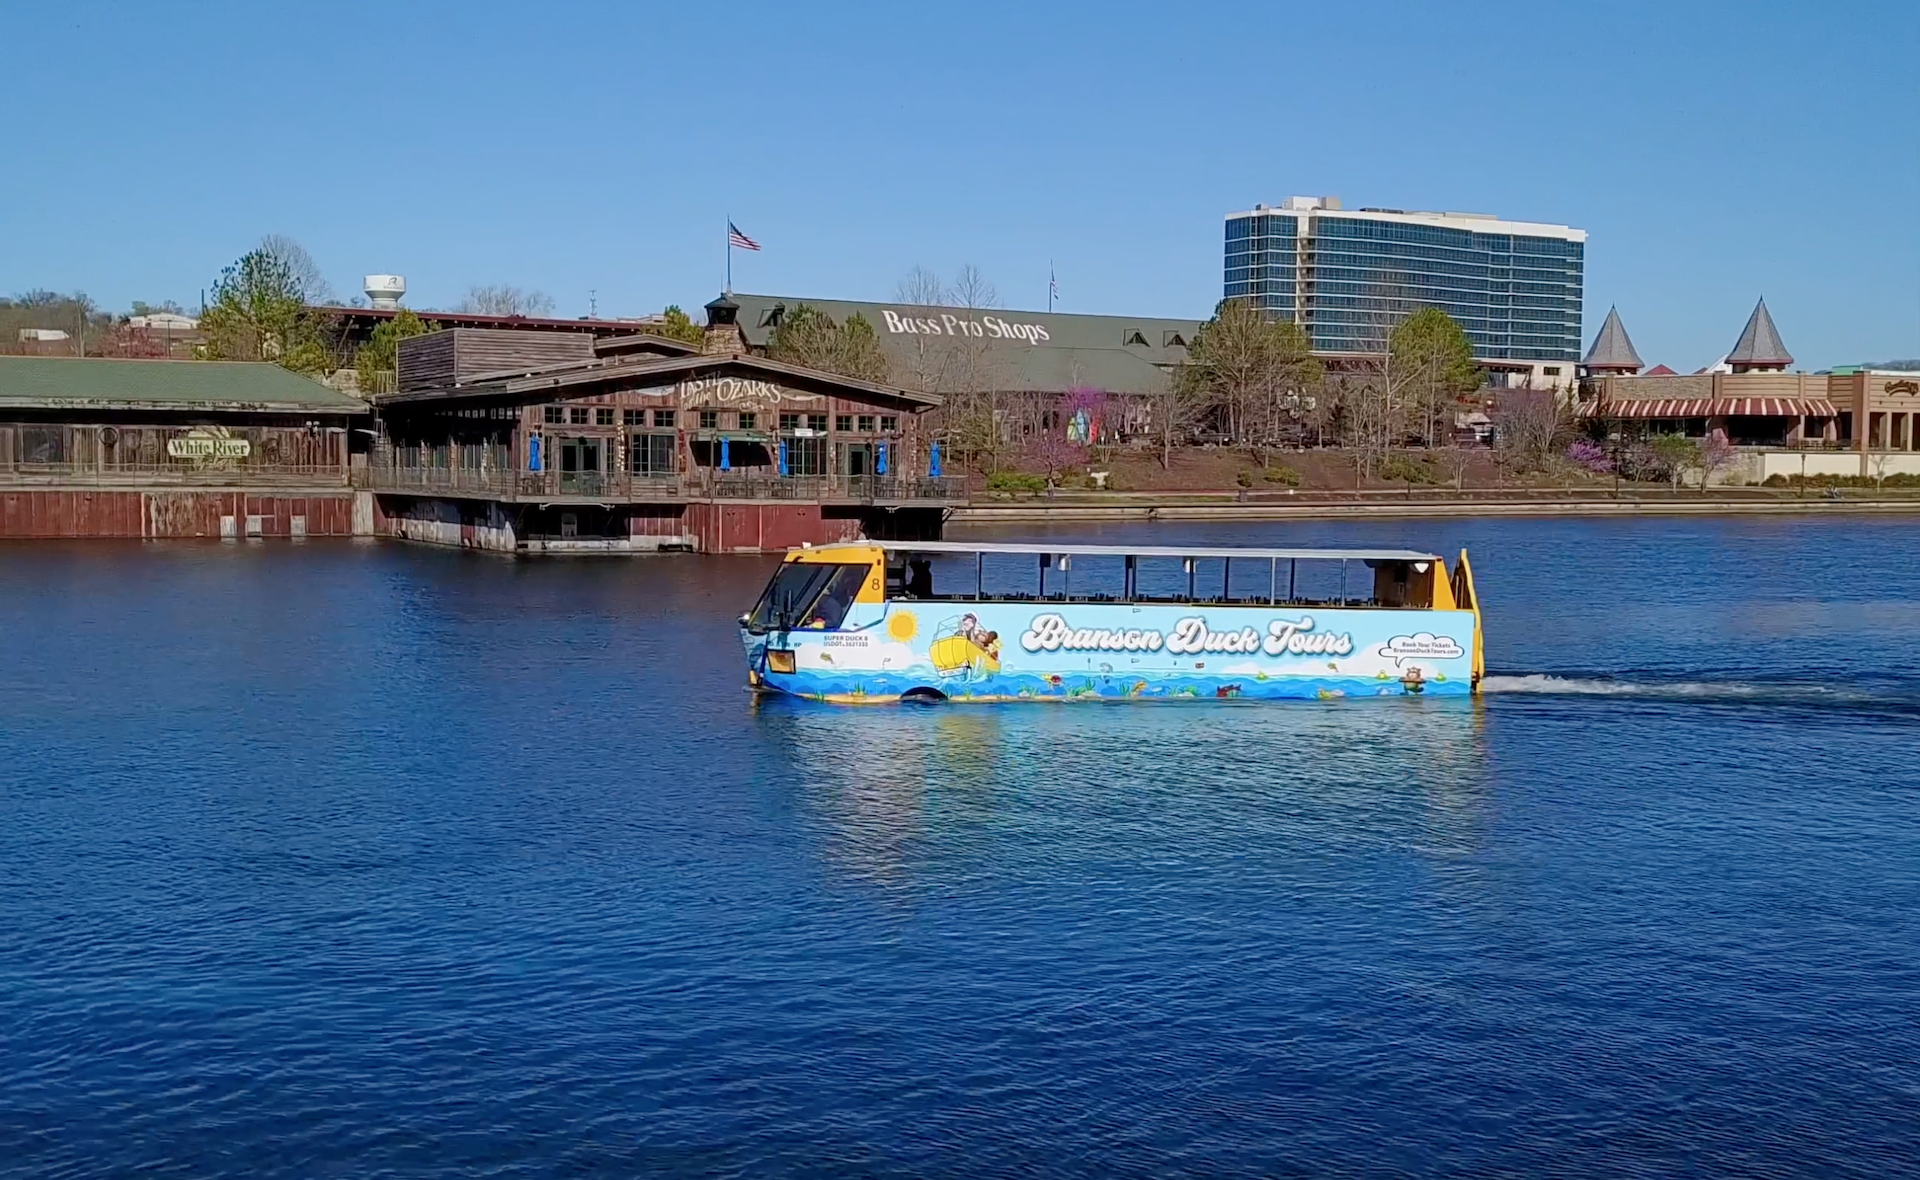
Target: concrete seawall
1037, 511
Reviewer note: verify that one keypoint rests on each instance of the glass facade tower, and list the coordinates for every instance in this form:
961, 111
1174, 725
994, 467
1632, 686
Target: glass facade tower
1348, 275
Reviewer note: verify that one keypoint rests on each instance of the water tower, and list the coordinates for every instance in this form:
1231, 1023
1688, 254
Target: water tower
384, 292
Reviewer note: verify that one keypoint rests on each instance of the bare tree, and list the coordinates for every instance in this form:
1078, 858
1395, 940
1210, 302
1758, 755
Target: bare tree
1532, 427
310, 285
1454, 460
501, 299
1375, 388
972, 373
1177, 408
972, 289
920, 287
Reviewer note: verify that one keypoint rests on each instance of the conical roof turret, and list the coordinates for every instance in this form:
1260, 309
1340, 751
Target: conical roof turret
1760, 346
1612, 350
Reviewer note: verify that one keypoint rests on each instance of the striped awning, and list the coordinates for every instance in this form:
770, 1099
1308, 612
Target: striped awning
1663, 407
1776, 407
1704, 407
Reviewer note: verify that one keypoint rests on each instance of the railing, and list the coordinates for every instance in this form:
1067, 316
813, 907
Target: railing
1802, 444
495, 483
626, 486
860, 488
176, 474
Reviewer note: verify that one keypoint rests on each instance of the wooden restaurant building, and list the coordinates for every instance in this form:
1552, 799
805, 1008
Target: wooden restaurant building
155, 449
567, 442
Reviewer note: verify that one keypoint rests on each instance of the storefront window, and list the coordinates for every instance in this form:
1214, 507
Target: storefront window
651, 454
806, 456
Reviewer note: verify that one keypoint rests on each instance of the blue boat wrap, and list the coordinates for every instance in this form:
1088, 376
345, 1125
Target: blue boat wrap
1078, 650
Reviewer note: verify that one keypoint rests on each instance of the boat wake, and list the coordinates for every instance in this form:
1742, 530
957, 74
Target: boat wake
1781, 692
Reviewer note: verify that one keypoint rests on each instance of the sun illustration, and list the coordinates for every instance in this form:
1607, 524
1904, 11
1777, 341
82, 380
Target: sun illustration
902, 626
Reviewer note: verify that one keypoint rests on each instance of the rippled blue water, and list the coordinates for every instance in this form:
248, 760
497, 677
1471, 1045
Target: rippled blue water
377, 860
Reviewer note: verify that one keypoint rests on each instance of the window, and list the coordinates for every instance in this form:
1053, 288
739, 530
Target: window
817, 423
1551, 370
663, 418
789, 422
603, 416
748, 419
634, 418
843, 423
651, 454
555, 415
866, 424
806, 456
808, 594
42, 444
709, 419
577, 415
889, 423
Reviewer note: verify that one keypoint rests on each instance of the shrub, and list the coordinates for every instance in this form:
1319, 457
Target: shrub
1016, 481
1902, 480
1405, 469
1282, 475
1244, 479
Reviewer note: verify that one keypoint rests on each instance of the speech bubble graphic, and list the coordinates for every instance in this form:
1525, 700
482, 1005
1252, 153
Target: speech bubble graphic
1424, 646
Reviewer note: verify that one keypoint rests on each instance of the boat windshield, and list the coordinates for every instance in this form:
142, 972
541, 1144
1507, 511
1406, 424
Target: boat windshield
808, 594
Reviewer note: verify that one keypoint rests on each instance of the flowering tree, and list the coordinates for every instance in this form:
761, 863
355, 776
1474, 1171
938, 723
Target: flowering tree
1590, 456
1716, 454
1052, 454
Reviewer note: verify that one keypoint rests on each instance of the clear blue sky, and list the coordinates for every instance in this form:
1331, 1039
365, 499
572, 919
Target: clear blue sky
1716, 151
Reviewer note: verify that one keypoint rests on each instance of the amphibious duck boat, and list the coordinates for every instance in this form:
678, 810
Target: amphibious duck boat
867, 622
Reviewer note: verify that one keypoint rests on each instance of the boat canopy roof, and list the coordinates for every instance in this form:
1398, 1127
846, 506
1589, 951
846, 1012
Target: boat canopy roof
1235, 552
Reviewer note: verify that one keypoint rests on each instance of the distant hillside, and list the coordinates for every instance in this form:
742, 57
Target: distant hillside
1908, 365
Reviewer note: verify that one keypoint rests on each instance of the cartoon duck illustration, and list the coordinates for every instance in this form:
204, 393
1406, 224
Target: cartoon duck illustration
1413, 682
1329, 694
963, 645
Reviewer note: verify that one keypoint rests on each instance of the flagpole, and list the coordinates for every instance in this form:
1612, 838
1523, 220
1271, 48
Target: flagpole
729, 254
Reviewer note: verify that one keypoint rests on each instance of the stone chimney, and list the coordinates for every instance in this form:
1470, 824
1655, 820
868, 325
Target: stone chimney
723, 327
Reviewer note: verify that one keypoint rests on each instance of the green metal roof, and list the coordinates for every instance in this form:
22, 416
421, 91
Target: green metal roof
1034, 350
56, 383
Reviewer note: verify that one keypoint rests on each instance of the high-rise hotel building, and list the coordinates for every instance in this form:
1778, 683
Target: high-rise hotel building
1348, 275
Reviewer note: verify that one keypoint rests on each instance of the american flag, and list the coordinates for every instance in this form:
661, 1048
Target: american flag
736, 238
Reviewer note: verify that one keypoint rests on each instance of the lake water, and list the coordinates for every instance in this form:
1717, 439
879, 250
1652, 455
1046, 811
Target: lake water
353, 860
